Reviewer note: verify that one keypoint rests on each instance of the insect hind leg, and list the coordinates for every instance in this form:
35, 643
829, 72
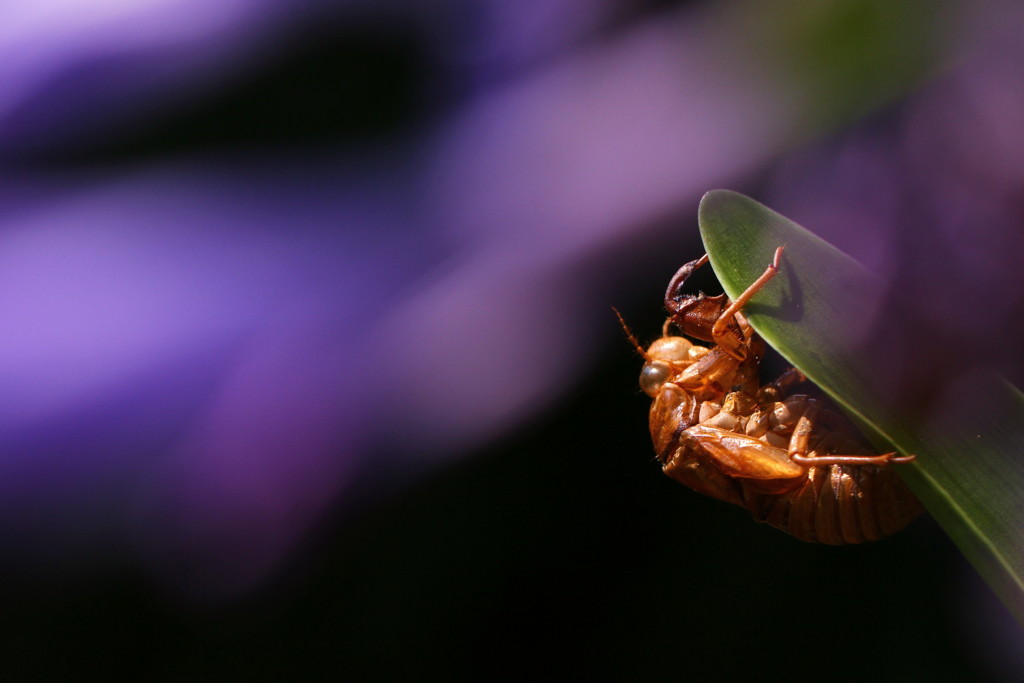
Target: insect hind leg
798, 446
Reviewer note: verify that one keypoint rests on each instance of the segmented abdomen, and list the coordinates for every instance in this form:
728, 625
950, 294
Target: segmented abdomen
837, 505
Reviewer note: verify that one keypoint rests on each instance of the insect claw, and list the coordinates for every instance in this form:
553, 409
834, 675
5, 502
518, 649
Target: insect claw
892, 459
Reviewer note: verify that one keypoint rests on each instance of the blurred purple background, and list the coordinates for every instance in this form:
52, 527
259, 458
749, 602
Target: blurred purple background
264, 265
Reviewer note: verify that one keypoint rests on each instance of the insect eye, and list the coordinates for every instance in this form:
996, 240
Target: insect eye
653, 376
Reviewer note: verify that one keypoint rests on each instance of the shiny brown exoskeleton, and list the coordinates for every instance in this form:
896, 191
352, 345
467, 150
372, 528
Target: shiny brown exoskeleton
793, 462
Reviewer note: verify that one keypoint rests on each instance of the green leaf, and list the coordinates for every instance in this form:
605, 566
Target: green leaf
838, 323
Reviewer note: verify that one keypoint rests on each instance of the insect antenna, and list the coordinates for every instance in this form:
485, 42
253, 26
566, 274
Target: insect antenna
632, 337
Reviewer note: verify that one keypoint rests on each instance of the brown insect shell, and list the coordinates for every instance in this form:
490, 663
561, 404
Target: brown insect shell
689, 383
693, 384
718, 388
834, 504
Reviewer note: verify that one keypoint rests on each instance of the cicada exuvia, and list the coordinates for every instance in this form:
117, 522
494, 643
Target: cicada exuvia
790, 458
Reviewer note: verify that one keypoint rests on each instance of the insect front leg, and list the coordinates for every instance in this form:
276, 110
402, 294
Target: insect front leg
695, 314
798, 446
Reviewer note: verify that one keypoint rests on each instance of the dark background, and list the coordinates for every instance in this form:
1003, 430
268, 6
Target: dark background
551, 546
563, 551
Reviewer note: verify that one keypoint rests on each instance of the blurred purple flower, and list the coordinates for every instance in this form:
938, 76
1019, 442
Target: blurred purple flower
71, 68
180, 366
199, 359
194, 358
544, 185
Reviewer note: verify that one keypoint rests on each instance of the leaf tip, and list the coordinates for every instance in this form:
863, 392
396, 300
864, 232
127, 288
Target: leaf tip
715, 195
